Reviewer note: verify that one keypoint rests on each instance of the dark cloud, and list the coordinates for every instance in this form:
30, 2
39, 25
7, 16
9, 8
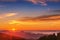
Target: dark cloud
48, 17
56, 11
52, 15
42, 18
53, 12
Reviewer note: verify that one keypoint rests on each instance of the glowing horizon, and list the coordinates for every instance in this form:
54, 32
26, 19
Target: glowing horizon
30, 14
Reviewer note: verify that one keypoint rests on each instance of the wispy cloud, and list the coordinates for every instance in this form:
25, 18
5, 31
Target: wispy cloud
42, 2
7, 15
10, 14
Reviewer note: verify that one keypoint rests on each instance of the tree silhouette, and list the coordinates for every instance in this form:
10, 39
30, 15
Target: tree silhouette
43, 38
58, 36
49, 37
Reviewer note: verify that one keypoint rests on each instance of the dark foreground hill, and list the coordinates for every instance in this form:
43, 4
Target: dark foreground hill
51, 37
9, 37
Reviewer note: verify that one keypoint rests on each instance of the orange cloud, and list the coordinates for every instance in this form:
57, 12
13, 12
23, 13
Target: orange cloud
22, 22
35, 25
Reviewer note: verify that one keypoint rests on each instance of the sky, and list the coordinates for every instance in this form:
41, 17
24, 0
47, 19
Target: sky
30, 14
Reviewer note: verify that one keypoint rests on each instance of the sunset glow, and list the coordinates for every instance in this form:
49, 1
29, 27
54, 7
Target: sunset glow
29, 19
29, 15
13, 29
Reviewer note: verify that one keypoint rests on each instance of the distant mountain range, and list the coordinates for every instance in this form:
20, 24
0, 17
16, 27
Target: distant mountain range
22, 34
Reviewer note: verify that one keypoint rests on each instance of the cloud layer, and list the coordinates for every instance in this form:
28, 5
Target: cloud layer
42, 18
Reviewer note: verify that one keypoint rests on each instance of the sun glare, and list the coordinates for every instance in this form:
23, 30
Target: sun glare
13, 29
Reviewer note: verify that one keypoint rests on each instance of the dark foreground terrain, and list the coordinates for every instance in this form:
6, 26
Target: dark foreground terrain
4, 36
50, 37
9, 37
